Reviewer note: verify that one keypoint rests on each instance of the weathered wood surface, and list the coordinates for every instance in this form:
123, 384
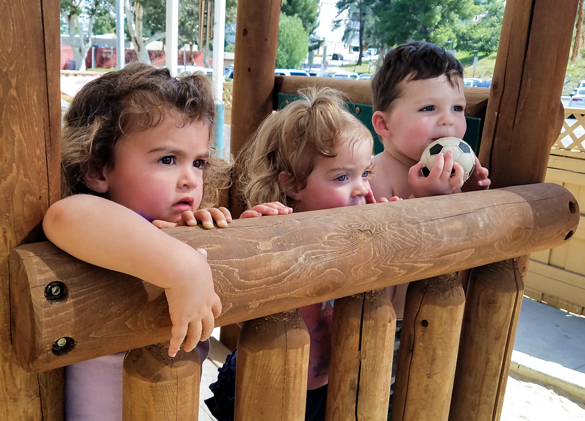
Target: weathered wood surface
30, 116
360, 371
262, 266
254, 62
360, 91
428, 349
524, 116
491, 315
271, 368
158, 387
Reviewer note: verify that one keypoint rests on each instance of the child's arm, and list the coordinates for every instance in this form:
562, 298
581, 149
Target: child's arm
221, 216
479, 178
267, 209
440, 180
109, 235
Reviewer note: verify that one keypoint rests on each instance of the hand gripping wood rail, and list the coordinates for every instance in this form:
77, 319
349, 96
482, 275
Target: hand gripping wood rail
65, 311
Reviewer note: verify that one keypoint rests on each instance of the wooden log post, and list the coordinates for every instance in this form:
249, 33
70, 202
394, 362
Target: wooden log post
428, 349
158, 387
30, 116
271, 368
362, 347
523, 120
263, 266
489, 326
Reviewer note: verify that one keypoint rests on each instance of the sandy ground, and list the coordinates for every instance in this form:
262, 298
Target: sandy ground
531, 401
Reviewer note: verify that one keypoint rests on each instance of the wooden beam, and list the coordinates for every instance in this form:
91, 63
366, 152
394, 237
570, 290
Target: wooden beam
30, 117
360, 91
262, 266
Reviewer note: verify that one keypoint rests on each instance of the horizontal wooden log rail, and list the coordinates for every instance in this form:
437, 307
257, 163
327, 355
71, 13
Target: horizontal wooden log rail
65, 311
360, 91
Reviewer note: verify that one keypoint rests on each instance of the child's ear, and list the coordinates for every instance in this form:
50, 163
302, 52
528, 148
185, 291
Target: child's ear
380, 125
288, 185
96, 180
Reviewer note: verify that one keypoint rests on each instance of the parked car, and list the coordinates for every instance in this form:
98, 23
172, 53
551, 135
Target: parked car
336, 56
187, 70
577, 100
346, 75
581, 84
484, 84
371, 52
228, 72
290, 72
471, 81
365, 76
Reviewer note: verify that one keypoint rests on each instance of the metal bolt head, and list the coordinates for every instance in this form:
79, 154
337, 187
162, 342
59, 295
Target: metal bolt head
56, 290
61, 342
357, 110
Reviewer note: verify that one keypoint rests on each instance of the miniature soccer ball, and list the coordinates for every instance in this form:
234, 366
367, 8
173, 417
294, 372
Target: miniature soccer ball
462, 154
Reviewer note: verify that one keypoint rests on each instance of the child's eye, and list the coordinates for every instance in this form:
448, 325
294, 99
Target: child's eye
167, 160
366, 174
428, 108
458, 108
200, 163
342, 177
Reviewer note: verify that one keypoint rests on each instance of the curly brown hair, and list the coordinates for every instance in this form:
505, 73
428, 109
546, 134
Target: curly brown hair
292, 139
416, 60
129, 100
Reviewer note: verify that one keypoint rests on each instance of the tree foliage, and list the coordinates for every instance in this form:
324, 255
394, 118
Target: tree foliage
483, 32
360, 15
293, 42
308, 13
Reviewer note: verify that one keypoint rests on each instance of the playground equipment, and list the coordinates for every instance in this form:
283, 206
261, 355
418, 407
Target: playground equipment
456, 342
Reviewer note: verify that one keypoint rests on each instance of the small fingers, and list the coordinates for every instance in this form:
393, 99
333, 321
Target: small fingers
163, 224
370, 197
193, 336
226, 212
205, 217
250, 214
178, 333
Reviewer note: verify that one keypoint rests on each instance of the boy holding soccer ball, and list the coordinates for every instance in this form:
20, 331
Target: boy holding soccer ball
418, 98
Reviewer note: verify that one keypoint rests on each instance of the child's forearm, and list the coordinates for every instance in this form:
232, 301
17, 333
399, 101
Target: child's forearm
109, 235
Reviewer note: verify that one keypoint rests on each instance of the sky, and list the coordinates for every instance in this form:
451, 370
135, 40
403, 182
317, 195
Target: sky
327, 13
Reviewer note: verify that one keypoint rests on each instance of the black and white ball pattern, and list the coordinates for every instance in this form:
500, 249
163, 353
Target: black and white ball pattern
462, 154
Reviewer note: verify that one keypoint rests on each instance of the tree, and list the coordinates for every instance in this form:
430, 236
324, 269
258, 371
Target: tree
293, 42
308, 13
421, 20
139, 13
359, 13
483, 32
80, 16
579, 35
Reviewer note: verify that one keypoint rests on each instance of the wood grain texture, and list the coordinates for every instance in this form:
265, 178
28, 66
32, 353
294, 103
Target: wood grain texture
157, 387
361, 357
271, 368
265, 265
254, 63
428, 349
360, 91
30, 115
524, 117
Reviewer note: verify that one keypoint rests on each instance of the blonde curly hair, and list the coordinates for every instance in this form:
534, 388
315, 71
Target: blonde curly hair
133, 99
292, 139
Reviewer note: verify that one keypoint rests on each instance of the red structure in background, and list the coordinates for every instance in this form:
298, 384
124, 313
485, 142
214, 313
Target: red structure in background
105, 58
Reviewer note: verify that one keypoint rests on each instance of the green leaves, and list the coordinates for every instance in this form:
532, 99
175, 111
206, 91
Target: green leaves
293, 42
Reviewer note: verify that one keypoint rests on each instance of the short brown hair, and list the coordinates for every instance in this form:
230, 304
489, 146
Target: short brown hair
132, 99
292, 139
415, 60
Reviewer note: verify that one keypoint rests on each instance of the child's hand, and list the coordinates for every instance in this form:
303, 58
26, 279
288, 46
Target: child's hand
440, 181
479, 178
267, 209
193, 306
221, 216
371, 199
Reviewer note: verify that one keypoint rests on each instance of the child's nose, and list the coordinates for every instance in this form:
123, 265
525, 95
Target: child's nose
361, 189
446, 119
188, 180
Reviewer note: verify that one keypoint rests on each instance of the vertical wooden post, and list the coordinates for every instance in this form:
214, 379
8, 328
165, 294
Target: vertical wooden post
158, 387
271, 369
428, 349
492, 308
362, 347
30, 116
523, 119
254, 63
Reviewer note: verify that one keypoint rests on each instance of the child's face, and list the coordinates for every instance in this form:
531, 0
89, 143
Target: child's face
339, 181
158, 172
427, 110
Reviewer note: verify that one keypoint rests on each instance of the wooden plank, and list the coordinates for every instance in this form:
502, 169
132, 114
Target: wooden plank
532, 293
562, 176
558, 256
575, 256
492, 308
541, 256
254, 62
265, 265
553, 282
576, 164
360, 91
30, 116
